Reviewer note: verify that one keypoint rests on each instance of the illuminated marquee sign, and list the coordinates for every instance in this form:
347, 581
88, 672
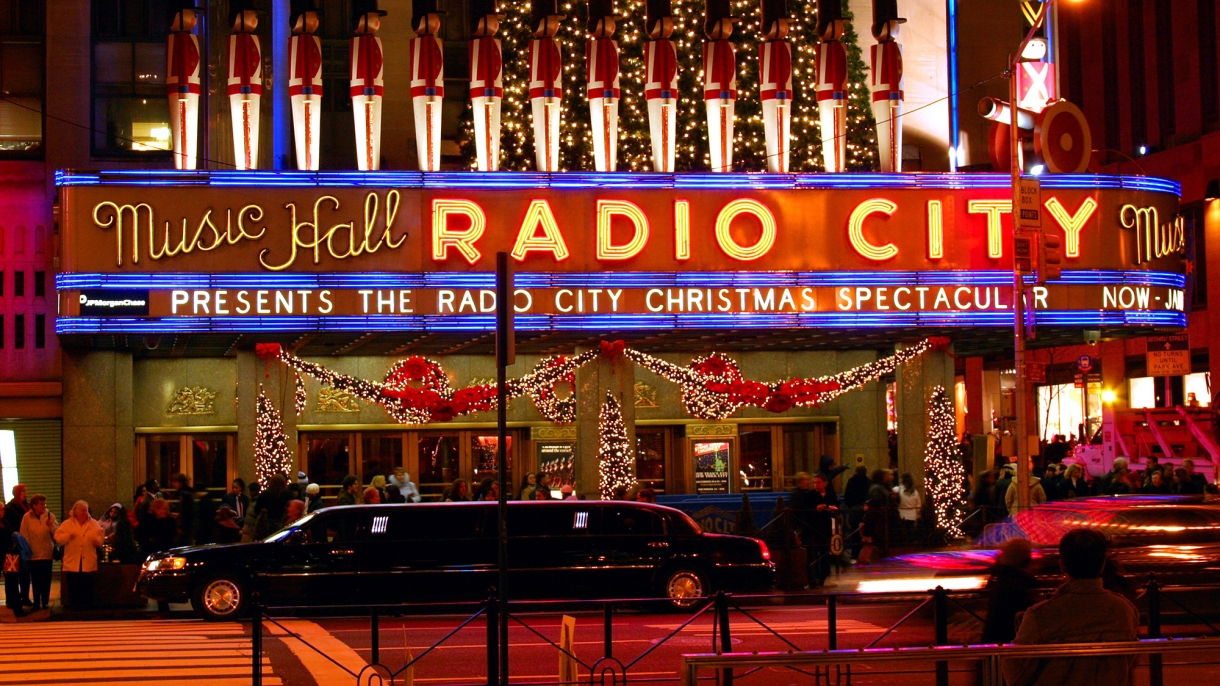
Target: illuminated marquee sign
403, 251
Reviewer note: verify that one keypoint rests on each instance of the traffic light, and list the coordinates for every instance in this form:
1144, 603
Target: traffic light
1050, 256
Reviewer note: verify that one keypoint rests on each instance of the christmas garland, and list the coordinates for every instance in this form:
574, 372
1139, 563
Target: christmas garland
416, 390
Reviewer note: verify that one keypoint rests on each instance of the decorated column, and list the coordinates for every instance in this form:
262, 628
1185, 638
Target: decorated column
661, 84
885, 82
368, 87
602, 70
245, 82
546, 82
611, 372
305, 82
182, 84
775, 83
427, 82
719, 82
832, 84
914, 382
486, 82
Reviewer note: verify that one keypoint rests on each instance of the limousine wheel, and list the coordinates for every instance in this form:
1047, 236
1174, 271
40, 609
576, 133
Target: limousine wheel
685, 587
220, 598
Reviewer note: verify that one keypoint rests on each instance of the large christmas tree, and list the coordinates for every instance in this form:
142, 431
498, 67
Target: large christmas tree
634, 149
271, 453
614, 459
945, 477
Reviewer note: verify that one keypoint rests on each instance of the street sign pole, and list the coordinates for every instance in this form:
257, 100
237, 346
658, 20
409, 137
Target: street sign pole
1018, 290
505, 356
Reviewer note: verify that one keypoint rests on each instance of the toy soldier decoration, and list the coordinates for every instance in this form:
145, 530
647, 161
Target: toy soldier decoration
368, 86
486, 82
601, 62
182, 83
832, 84
719, 82
427, 82
661, 83
245, 82
775, 89
885, 81
546, 82
305, 82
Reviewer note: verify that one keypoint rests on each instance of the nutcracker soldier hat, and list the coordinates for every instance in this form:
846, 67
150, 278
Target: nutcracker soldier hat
772, 11
484, 8
540, 10
599, 9
885, 11
299, 8
175, 7
422, 7
829, 11
363, 7
655, 11
715, 12
238, 8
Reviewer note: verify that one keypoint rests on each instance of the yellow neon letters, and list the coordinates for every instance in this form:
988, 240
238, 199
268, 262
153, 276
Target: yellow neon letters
855, 229
724, 221
607, 210
993, 209
681, 229
539, 215
444, 238
936, 230
1072, 223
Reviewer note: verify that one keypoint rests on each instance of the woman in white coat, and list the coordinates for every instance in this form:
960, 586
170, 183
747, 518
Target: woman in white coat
81, 536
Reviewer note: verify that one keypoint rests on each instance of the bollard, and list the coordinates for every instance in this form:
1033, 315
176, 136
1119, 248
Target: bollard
375, 637
608, 632
940, 611
1156, 675
832, 622
726, 641
493, 638
256, 640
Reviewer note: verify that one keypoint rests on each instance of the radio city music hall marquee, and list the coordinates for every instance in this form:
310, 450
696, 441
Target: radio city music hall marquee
229, 251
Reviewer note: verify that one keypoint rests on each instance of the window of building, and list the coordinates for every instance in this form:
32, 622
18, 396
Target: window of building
1135, 72
380, 454
754, 464
162, 458
19, 331
1061, 410
650, 452
22, 77
1198, 387
484, 454
328, 457
205, 459
40, 285
1164, 72
40, 331
1209, 95
19, 283
1, 331
439, 462
130, 112
210, 462
804, 446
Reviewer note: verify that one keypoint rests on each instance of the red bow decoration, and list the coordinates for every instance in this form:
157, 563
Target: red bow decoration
779, 402
268, 352
713, 366
613, 350
940, 342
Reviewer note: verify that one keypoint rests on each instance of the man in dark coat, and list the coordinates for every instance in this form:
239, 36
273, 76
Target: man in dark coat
828, 469
236, 499
1010, 591
823, 510
855, 495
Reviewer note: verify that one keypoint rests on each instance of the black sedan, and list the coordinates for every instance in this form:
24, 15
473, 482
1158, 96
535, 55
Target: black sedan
358, 555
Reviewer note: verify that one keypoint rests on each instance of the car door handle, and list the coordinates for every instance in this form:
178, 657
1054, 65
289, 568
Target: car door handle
342, 551
658, 544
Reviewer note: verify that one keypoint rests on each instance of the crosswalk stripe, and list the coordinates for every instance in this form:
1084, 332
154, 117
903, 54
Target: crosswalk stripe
242, 648
158, 671
67, 665
153, 680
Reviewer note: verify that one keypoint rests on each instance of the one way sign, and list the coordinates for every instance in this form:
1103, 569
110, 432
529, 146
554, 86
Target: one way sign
1168, 356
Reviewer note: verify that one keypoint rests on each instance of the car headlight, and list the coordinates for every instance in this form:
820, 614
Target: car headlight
165, 564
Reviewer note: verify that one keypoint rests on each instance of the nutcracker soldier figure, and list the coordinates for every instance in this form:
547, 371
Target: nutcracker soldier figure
546, 82
661, 83
602, 66
775, 89
719, 82
368, 86
486, 82
427, 82
305, 82
182, 83
245, 82
885, 82
832, 84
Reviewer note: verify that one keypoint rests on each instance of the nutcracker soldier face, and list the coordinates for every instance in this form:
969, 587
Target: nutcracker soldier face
831, 25
885, 20
775, 19
426, 17
243, 20
485, 17
545, 19
304, 19
367, 23
184, 19
659, 22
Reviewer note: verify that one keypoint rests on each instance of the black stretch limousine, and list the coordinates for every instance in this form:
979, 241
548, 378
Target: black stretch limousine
363, 554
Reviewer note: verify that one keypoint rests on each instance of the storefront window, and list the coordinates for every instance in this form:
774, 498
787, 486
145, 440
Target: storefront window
210, 462
380, 454
130, 112
1061, 410
650, 458
804, 446
1198, 389
328, 458
22, 78
439, 463
483, 449
163, 458
754, 465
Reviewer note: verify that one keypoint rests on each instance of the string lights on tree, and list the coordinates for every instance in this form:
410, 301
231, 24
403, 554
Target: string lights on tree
299, 397
634, 146
271, 453
614, 460
945, 475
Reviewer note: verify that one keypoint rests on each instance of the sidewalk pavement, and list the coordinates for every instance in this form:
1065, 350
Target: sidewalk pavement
58, 612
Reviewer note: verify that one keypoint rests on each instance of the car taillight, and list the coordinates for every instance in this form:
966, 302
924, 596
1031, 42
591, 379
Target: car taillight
764, 550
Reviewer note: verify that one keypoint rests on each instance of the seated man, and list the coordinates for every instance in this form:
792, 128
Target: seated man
1081, 611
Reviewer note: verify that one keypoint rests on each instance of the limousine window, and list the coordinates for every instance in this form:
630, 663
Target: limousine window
550, 521
631, 521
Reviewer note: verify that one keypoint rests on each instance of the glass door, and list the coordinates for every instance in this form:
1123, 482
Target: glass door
651, 453
440, 462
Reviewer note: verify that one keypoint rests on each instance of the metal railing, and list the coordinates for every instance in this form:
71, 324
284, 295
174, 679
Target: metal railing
990, 657
728, 614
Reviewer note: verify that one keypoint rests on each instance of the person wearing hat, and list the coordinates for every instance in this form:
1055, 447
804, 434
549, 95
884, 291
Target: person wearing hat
567, 492
406, 487
313, 498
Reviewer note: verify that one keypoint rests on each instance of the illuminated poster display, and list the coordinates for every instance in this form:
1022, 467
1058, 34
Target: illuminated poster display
396, 251
711, 466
